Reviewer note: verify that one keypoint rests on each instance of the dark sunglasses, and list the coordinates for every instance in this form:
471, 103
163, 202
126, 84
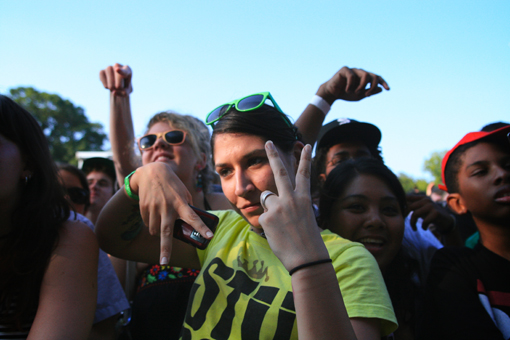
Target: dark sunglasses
172, 137
248, 103
78, 195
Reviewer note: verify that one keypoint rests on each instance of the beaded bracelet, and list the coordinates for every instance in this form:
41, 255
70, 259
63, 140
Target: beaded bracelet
127, 188
309, 264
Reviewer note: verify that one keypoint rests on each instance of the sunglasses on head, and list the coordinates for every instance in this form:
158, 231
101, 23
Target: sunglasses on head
172, 137
78, 195
245, 104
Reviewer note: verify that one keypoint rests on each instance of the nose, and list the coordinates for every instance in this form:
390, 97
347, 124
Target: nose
502, 175
243, 184
161, 143
374, 220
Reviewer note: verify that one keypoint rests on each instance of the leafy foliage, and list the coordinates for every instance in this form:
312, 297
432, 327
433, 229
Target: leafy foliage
433, 165
410, 184
65, 125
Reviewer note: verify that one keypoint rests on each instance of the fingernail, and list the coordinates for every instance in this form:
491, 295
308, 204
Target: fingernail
164, 260
270, 145
209, 234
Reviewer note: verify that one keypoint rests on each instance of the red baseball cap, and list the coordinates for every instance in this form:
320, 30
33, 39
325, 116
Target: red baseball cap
501, 133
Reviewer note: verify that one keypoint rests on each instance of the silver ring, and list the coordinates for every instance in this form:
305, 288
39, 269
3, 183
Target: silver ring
265, 194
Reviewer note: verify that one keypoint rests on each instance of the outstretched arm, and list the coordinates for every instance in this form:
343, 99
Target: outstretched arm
293, 235
117, 79
143, 230
347, 84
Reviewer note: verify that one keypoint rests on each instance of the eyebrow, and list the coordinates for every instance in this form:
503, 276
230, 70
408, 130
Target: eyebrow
477, 163
256, 152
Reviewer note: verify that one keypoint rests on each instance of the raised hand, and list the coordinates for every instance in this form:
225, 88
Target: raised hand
117, 79
350, 84
163, 199
288, 219
431, 213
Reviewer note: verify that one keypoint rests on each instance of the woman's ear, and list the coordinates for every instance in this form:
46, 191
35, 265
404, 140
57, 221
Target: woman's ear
456, 203
202, 162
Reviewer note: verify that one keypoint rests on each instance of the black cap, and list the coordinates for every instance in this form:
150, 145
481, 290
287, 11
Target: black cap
346, 130
91, 164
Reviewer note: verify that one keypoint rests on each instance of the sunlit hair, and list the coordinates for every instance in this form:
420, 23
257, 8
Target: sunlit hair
344, 174
265, 122
197, 135
36, 219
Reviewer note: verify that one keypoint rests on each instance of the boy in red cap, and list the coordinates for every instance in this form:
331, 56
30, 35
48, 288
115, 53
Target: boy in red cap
469, 289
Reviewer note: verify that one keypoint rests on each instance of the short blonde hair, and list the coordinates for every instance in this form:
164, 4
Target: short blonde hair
198, 136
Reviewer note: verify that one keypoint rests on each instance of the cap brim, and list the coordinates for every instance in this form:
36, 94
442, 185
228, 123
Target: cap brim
364, 132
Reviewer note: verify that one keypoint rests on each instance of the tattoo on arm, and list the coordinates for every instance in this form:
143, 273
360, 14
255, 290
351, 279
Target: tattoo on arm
133, 223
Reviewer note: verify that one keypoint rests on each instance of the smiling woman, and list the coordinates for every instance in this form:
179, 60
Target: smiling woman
363, 201
244, 287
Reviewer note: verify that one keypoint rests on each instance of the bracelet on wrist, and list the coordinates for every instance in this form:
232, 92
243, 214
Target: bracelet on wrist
127, 188
309, 264
321, 104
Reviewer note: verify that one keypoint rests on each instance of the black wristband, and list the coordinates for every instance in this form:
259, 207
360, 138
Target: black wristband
309, 264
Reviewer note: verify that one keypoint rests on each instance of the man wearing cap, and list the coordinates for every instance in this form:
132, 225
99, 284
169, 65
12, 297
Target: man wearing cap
344, 138
100, 174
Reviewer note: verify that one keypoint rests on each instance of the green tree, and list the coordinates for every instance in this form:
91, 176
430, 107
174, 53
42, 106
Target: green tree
409, 183
433, 165
65, 125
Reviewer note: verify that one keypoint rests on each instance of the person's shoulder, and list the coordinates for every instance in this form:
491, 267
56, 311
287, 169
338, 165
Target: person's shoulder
224, 215
77, 234
331, 238
453, 257
337, 245
454, 252
228, 219
73, 216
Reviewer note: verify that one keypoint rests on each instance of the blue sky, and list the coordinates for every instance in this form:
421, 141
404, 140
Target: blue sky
447, 62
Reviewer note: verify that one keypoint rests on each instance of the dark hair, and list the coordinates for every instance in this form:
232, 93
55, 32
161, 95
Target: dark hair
319, 163
81, 177
342, 176
100, 164
399, 274
265, 122
35, 221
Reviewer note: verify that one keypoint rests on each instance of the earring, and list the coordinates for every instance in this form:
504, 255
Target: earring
199, 183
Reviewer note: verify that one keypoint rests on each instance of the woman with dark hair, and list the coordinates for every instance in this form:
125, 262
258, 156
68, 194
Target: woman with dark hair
268, 272
363, 201
48, 265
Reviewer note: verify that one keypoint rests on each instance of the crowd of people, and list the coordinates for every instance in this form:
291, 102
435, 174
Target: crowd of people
289, 245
